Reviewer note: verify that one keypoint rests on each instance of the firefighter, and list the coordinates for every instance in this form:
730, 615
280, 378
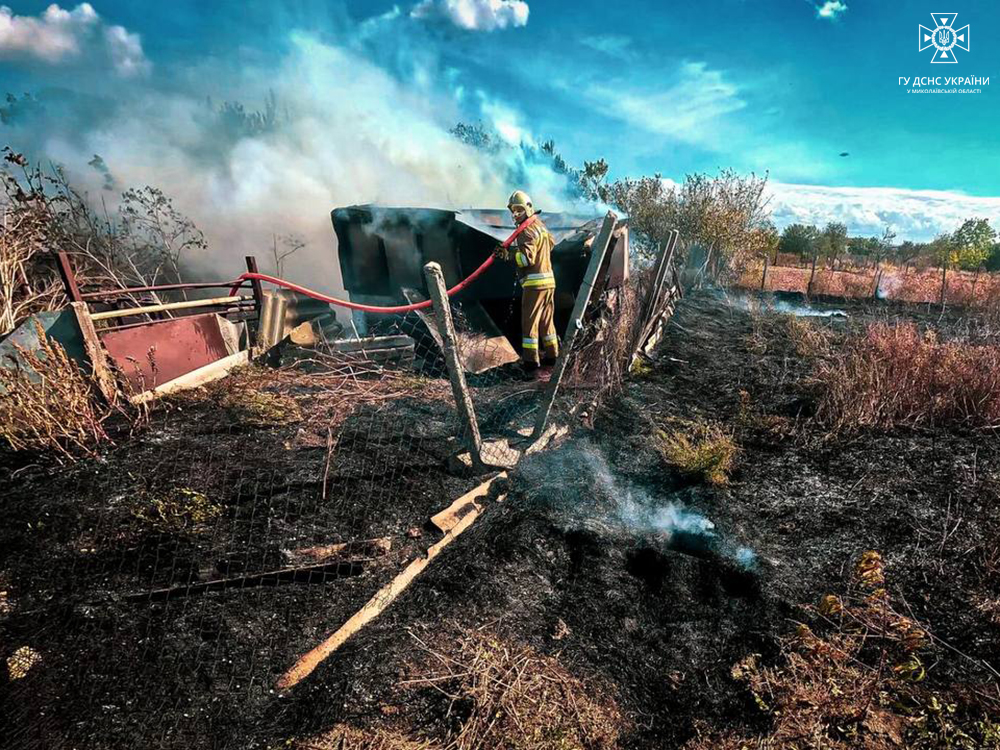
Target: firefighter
531, 252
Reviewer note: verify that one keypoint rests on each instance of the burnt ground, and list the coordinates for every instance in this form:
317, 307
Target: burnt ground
570, 561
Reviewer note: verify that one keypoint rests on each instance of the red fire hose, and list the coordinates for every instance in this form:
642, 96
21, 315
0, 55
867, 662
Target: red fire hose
373, 308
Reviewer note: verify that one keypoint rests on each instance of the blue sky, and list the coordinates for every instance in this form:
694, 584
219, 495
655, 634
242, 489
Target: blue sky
652, 87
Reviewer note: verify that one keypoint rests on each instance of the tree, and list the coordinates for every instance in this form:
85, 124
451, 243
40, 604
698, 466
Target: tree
835, 240
993, 261
972, 243
799, 239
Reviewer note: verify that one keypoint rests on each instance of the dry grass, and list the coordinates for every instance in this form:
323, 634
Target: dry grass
500, 694
319, 393
50, 405
893, 376
258, 408
771, 330
346, 737
516, 698
856, 681
705, 451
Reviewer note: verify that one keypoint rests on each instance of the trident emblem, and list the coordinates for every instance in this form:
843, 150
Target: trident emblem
944, 38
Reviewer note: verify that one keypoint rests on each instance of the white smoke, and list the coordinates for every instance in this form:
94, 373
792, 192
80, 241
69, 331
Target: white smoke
474, 15
80, 35
345, 130
575, 474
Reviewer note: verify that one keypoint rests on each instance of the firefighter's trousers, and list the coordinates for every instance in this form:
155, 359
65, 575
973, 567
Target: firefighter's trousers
538, 327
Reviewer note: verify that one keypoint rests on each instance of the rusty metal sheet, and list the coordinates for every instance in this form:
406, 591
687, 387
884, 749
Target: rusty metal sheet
152, 355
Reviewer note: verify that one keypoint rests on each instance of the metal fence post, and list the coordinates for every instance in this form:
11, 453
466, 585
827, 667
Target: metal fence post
597, 253
460, 389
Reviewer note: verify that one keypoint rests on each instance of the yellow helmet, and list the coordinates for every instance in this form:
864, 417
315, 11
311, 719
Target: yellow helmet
521, 198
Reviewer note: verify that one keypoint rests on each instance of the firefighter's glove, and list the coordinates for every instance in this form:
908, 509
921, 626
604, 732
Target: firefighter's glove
501, 253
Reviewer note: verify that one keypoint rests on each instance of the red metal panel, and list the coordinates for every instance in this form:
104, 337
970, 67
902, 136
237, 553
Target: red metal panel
152, 355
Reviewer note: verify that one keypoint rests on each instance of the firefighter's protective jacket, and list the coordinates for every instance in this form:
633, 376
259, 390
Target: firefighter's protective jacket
532, 254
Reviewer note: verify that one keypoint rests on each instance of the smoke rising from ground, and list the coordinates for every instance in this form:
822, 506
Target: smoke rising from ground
589, 494
338, 124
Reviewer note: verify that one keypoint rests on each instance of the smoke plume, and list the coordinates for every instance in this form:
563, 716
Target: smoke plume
325, 119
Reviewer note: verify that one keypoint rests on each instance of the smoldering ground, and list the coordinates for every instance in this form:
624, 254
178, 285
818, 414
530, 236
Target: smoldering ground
584, 493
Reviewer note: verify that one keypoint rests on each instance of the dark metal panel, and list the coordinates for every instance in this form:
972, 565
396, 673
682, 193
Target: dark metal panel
152, 355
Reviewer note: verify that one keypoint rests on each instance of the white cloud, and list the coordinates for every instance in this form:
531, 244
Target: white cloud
688, 110
913, 214
474, 15
59, 36
831, 9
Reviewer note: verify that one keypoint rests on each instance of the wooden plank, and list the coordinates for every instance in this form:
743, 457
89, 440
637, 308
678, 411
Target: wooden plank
449, 518
186, 305
479, 350
95, 352
365, 548
375, 606
201, 376
597, 253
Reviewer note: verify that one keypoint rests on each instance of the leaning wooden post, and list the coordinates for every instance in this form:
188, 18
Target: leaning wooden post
763, 278
95, 352
597, 253
463, 399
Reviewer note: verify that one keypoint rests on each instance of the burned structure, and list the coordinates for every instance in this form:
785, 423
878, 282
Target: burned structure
382, 252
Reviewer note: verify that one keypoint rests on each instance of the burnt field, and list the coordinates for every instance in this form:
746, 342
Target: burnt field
693, 565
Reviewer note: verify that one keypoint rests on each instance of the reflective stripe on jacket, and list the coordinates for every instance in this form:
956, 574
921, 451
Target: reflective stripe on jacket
533, 257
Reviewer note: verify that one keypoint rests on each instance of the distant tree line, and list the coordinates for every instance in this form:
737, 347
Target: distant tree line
972, 246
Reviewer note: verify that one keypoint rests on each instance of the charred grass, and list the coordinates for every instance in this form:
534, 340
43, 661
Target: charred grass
556, 620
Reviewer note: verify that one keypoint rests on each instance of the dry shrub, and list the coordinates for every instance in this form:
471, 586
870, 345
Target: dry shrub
50, 405
893, 375
700, 450
752, 417
856, 681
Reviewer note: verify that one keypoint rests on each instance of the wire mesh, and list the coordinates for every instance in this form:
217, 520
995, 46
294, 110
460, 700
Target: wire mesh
158, 596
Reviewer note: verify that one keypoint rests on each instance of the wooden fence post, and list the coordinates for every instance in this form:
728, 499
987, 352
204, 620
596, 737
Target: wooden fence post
597, 252
763, 278
460, 389
95, 352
